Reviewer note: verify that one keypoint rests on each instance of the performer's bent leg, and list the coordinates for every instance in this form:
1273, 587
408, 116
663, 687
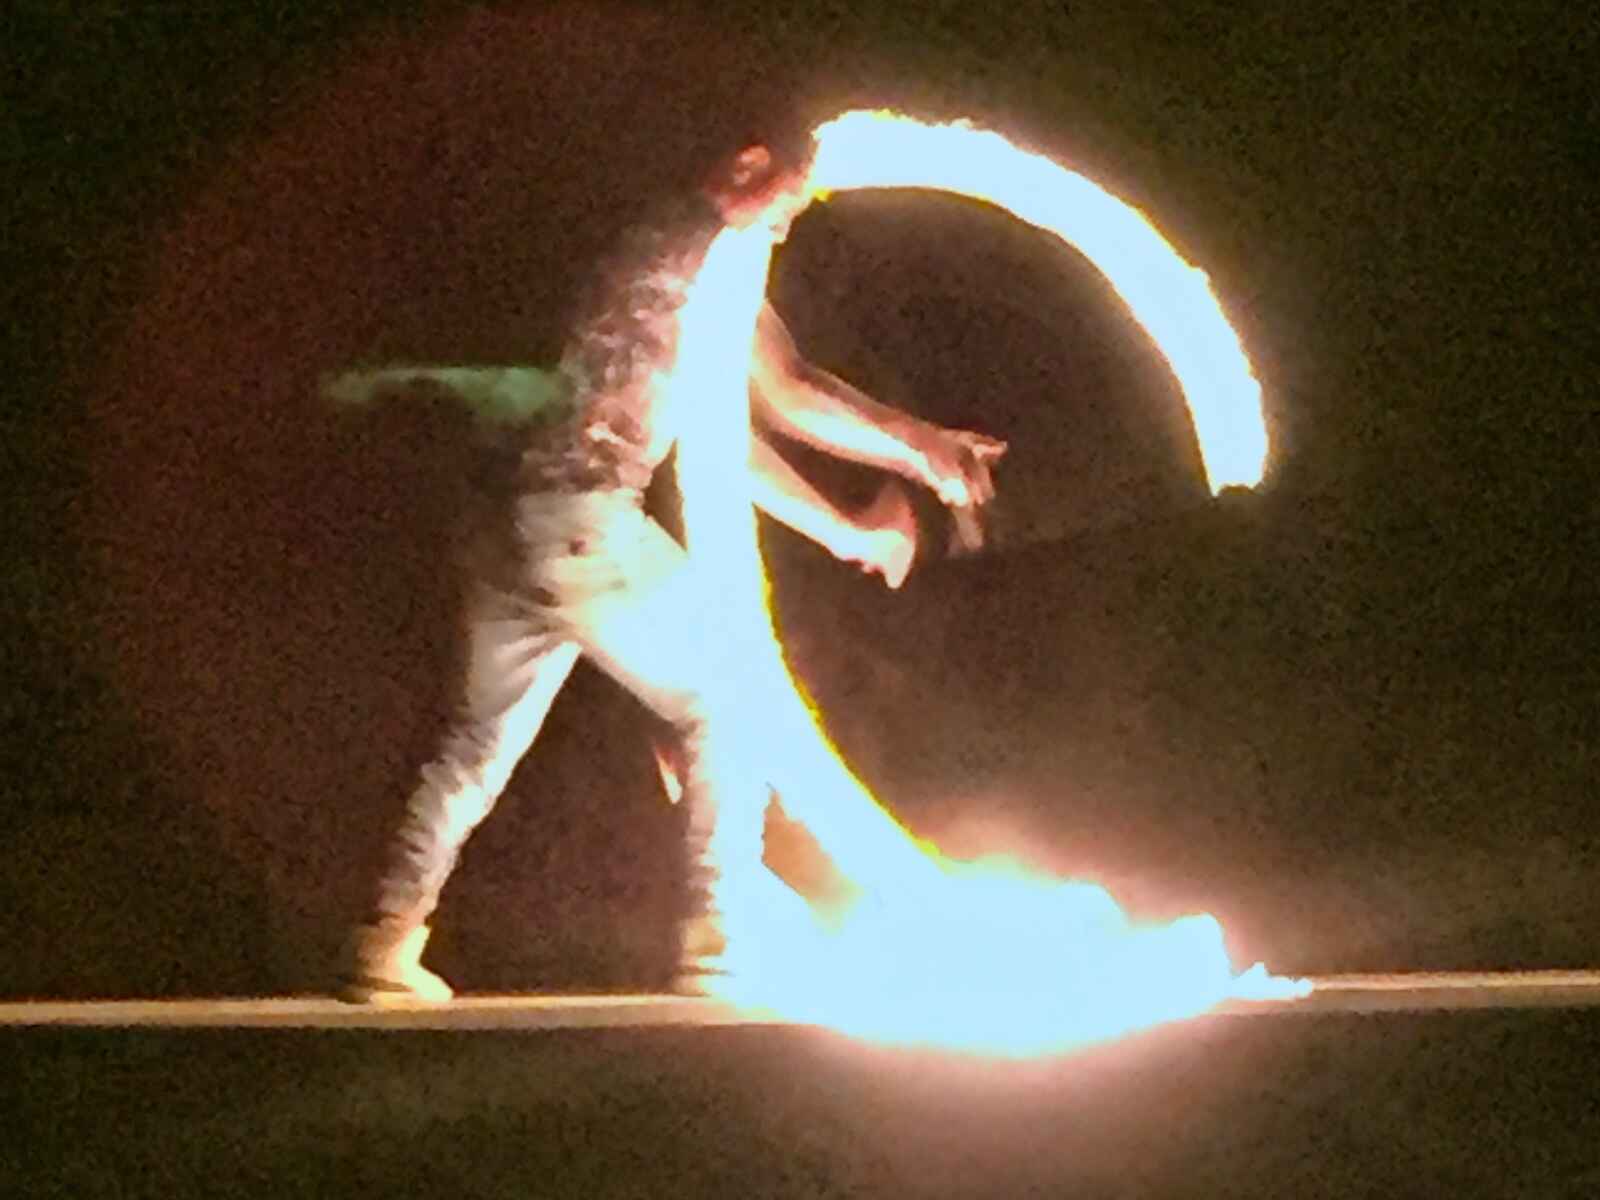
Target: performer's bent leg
658, 641
515, 664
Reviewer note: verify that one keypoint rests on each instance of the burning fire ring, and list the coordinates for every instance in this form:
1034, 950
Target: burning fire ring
974, 956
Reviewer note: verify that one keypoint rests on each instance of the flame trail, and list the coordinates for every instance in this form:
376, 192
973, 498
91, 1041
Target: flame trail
981, 956
1171, 299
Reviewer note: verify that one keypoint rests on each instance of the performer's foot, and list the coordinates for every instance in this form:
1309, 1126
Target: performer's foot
743, 938
382, 967
702, 957
698, 983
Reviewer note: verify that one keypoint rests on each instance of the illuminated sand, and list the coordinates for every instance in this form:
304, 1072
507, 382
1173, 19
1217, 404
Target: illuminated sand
1402, 992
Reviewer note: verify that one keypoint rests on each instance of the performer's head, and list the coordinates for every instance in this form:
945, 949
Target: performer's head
764, 182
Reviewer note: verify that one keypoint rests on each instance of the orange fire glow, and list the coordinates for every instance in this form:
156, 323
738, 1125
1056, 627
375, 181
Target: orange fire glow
978, 956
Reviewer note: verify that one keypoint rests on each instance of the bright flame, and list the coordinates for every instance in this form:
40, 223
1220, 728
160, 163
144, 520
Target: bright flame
710, 392
1171, 299
992, 959
978, 956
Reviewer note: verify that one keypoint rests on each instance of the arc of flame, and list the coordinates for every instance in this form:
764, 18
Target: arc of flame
977, 956
1173, 300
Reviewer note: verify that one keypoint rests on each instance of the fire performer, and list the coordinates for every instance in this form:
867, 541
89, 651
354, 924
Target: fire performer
572, 565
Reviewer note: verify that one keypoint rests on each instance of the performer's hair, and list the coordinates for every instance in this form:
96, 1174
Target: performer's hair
750, 163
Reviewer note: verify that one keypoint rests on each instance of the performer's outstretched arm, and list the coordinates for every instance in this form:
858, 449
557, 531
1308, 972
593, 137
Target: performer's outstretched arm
803, 401
882, 538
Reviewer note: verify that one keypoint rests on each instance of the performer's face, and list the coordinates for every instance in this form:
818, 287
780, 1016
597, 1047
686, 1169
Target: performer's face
754, 189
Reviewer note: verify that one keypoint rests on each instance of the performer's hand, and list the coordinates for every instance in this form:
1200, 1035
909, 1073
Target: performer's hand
888, 535
958, 464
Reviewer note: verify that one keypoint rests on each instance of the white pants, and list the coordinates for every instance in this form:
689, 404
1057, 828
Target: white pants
596, 577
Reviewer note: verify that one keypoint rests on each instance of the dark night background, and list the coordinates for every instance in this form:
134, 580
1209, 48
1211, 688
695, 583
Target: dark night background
1354, 714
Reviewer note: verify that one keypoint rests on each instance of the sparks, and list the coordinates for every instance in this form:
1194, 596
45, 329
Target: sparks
984, 957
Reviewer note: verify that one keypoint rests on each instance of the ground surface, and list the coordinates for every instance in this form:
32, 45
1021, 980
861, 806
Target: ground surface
1489, 1104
